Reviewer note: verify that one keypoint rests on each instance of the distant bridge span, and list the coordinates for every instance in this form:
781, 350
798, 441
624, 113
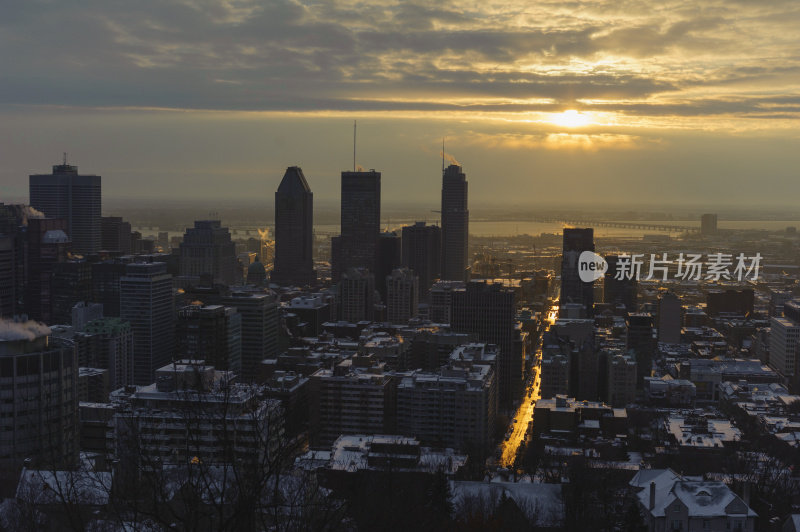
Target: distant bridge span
670, 228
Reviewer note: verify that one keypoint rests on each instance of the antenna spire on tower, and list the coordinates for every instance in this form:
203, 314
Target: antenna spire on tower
442, 155
65, 158
354, 145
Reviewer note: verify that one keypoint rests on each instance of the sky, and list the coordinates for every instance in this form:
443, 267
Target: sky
627, 102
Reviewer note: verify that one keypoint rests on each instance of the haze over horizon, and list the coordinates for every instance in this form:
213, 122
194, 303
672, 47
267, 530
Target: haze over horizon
583, 103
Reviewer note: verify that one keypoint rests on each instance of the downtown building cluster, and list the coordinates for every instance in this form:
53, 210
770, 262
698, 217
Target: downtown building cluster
410, 358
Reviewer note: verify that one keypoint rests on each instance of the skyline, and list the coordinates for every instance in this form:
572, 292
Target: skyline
688, 103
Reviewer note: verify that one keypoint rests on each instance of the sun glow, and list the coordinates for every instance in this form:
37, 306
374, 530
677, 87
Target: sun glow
570, 118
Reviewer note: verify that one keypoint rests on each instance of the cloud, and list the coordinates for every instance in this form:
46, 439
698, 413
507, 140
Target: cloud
669, 59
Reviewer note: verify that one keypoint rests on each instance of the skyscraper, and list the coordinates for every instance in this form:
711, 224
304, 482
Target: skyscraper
422, 250
360, 223
73, 197
573, 290
207, 248
488, 311
146, 302
294, 230
116, 234
389, 251
455, 225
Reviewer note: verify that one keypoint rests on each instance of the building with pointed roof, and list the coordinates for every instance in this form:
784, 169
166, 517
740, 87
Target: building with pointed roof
294, 230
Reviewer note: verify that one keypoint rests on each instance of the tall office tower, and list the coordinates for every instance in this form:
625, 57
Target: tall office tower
488, 311
13, 258
70, 284
670, 318
573, 290
708, 224
76, 198
48, 244
422, 252
402, 287
619, 291
259, 329
8, 274
356, 295
640, 339
212, 333
455, 225
207, 248
39, 413
107, 343
105, 285
146, 302
389, 251
116, 235
357, 246
294, 230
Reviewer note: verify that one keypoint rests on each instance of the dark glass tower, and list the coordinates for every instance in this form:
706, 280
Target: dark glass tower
573, 290
422, 250
361, 223
455, 224
73, 197
294, 230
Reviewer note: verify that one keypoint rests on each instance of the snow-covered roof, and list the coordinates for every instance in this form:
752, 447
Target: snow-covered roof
701, 498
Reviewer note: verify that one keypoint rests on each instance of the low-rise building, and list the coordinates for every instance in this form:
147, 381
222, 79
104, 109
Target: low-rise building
671, 502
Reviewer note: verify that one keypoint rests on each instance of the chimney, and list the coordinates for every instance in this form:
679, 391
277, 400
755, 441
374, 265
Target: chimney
652, 495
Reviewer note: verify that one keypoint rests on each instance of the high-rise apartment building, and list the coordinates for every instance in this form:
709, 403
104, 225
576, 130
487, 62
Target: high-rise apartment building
356, 295
670, 318
455, 224
146, 302
259, 312
454, 406
294, 230
212, 333
488, 311
75, 198
39, 412
357, 245
402, 286
107, 343
620, 291
784, 339
573, 289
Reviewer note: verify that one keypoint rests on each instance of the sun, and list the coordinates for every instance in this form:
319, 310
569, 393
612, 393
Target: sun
570, 118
